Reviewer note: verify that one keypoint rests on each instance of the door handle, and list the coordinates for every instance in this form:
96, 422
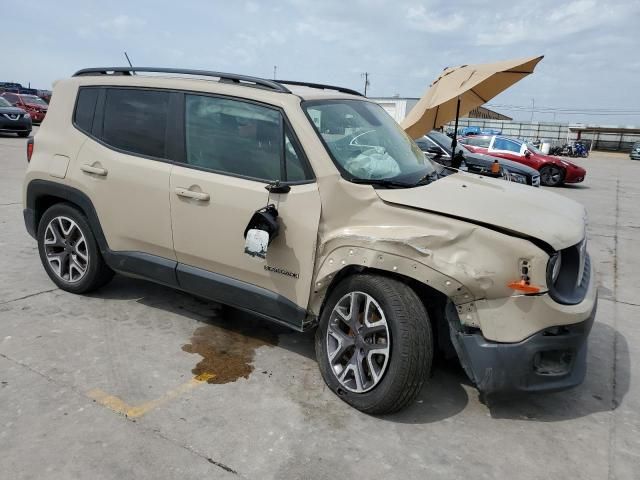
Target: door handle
185, 192
95, 170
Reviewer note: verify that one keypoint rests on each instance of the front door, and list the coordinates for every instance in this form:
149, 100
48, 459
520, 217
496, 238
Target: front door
509, 149
233, 150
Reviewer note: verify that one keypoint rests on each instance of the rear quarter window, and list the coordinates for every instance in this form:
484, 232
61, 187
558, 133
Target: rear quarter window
85, 109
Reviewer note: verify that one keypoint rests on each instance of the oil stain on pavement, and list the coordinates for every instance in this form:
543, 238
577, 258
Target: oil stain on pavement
228, 351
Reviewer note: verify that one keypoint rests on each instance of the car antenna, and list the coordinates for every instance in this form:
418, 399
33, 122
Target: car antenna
130, 64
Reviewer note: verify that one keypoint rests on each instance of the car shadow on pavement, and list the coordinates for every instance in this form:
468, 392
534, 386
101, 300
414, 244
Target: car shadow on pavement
575, 186
448, 391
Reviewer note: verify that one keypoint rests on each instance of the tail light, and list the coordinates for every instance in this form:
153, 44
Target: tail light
29, 148
495, 167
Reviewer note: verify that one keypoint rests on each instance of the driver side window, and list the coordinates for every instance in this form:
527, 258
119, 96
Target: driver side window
242, 139
506, 145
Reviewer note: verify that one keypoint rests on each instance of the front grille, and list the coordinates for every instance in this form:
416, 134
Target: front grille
13, 116
573, 275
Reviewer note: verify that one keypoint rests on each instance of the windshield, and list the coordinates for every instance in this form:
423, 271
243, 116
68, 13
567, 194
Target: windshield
33, 99
366, 143
533, 149
4, 103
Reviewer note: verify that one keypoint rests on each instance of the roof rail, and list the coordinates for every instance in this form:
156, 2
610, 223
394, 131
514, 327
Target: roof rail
321, 86
228, 77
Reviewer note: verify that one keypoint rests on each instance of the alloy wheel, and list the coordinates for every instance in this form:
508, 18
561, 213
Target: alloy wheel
551, 175
358, 342
66, 249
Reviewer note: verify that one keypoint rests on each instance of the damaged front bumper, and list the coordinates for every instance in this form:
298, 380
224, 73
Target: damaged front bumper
551, 360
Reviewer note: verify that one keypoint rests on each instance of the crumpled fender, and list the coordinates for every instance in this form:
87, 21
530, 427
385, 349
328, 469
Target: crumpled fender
355, 250
465, 262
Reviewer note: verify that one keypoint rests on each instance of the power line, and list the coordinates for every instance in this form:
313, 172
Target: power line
575, 110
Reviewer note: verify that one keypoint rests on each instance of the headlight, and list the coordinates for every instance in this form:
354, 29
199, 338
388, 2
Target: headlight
26, 115
516, 177
553, 268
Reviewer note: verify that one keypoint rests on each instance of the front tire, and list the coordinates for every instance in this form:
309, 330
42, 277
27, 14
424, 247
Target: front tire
24, 134
69, 252
374, 344
551, 176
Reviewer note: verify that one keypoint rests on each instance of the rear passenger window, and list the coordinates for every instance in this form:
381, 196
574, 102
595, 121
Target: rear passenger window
85, 108
239, 138
135, 120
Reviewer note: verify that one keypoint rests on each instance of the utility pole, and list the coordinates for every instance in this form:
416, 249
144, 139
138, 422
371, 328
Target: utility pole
275, 69
533, 104
366, 82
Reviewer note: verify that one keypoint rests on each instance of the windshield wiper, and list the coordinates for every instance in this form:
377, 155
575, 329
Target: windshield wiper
427, 179
383, 182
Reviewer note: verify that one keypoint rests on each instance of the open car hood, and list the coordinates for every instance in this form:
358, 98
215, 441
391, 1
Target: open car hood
511, 207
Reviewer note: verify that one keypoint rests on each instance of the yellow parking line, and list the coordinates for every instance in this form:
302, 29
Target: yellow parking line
134, 411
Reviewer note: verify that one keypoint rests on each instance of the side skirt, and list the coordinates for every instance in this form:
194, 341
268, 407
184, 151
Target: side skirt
210, 285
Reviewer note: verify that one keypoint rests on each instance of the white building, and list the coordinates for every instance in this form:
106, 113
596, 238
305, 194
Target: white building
397, 107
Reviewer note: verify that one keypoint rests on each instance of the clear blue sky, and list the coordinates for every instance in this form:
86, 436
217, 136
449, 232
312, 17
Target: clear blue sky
591, 48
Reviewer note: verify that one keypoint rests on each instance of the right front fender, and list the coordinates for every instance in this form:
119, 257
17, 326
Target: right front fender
347, 256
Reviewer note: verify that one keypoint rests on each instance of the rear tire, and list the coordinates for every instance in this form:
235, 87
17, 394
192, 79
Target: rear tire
347, 348
69, 251
551, 176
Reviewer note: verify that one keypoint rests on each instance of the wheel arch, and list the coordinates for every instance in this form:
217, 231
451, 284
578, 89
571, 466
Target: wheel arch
43, 194
433, 301
433, 288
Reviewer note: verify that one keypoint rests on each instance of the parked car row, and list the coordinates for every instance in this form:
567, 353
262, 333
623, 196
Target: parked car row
31, 104
437, 146
553, 171
13, 119
468, 131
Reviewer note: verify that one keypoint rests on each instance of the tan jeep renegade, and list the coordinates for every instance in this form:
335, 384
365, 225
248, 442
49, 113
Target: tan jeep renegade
307, 205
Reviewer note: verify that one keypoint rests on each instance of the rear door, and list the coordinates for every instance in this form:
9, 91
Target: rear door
233, 150
124, 168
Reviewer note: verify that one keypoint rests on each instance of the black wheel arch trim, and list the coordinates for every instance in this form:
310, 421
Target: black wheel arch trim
39, 190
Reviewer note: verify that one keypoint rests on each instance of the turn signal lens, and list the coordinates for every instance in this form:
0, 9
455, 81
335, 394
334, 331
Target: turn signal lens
495, 167
524, 287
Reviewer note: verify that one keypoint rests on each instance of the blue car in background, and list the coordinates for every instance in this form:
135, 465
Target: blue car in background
467, 131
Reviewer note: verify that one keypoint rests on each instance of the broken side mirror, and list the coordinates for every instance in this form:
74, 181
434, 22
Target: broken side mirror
260, 232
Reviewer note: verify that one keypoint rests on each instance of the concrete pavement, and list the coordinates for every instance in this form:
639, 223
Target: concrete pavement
107, 385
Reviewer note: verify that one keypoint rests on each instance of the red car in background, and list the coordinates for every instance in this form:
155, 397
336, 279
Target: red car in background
33, 105
554, 171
